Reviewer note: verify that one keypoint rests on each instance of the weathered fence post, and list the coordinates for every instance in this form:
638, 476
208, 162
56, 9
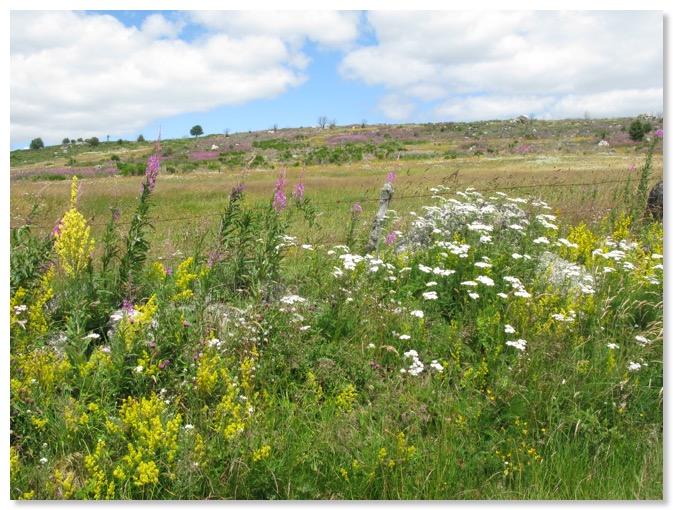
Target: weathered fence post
377, 224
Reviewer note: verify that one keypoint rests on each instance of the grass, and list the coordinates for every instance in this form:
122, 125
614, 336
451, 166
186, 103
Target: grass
246, 353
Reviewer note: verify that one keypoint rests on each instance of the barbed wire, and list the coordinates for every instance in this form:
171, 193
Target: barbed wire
415, 196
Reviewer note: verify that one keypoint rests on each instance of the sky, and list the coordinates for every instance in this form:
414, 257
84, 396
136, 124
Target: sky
123, 73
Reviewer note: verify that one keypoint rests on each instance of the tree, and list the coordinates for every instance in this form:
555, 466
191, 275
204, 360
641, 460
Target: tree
196, 131
37, 144
93, 141
636, 131
322, 121
66, 141
141, 138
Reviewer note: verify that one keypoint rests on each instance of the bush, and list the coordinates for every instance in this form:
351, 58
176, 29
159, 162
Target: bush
636, 131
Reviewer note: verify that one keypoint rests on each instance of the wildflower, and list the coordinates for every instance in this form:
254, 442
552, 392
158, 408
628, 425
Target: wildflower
430, 295
139, 368
44, 460
356, 209
92, 336
185, 324
502, 295
516, 227
473, 295
417, 313
391, 177
431, 284
483, 264
519, 344
633, 367
236, 193
485, 280
391, 238
404, 337
436, 366
298, 192
509, 329
541, 239
642, 339
151, 172
189, 426
659, 133
470, 283
613, 346
279, 199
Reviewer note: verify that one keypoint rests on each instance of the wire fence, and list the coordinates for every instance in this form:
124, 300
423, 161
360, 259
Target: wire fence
413, 196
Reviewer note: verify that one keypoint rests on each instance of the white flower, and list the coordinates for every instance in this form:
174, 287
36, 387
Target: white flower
642, 339
189, 426
502, 295
411, 354
485, 280
304, 328
522, 293
509, 329
473, 295
431, 284
423, 268
483, 264
436, 366
370, 346
139, 368
516, 227
289, 300
307, 246
44, 460
633, 367
404, 337
541, 239
613, 346
469, 282
417, 313
430, 295
519, 344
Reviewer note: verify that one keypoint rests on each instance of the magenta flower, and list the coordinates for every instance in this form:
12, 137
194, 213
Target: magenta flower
391, 177
236, 193
279, 199
391, 238
152, 171
356, 209
659, 133
298, 192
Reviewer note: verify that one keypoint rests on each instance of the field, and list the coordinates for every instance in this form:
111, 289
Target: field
188, 321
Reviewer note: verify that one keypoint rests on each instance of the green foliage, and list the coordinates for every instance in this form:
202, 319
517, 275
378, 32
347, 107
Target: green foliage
93, 141
141, 138
196, 131
37, 143
636, 131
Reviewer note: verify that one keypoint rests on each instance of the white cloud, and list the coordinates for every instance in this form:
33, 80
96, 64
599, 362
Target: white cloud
495, 64
75, 74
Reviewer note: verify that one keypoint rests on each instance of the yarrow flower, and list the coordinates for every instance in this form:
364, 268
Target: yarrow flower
430, 295
642, 339
417, 313
519, 344
613, 346
509, 329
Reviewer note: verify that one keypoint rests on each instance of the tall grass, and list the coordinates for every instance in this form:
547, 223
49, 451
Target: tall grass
490, 350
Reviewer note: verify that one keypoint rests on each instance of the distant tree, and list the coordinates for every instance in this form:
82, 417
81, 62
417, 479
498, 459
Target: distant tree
636, 131
80, 140
141, 138
66, 141
196, 131
37, 144
363, 123
120, 142
226, 132
322, 121
93, 141
332, 123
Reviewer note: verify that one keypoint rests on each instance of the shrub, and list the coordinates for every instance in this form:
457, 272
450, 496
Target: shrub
636, 131
37, 143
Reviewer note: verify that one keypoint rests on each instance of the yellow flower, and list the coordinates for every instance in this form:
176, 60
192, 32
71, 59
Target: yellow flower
73, 244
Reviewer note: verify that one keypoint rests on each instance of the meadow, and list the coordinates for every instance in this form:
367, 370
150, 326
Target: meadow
195, 323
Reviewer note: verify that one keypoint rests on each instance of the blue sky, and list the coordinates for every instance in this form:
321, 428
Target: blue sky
125, 73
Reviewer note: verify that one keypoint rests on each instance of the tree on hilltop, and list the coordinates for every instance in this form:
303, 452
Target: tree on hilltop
196, 131
37, 143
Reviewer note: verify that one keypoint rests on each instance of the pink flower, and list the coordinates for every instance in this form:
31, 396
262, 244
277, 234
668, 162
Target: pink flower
357, 208
391, 238
659, 133
391, 177
279, 199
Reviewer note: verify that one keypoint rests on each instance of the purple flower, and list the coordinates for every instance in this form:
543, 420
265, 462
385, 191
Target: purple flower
632, 168
279, 198
236, 193
356, 209
116, 212
391, 238
391, 177
57, 229
167, 269
298, 192
185, 324
152, 171
127, 305
659, 133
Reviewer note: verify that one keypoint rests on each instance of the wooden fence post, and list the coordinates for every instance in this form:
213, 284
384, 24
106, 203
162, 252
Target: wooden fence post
377, 224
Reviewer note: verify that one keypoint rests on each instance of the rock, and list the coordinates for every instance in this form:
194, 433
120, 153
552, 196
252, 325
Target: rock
214, 148
655, 201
